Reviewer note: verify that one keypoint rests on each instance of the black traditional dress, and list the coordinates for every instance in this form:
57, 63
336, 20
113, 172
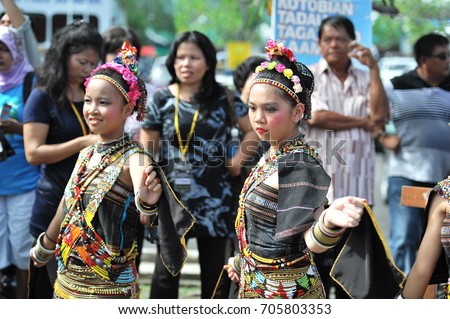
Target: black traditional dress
275, 261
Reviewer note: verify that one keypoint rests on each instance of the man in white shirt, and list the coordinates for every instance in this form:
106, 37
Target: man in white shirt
349, 107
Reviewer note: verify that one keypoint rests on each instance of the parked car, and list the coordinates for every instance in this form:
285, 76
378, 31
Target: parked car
393, 66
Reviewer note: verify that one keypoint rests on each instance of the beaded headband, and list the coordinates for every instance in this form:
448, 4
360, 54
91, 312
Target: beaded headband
113, 82
126, 64
280, 86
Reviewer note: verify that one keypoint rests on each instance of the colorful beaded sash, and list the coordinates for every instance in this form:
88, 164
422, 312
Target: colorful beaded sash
77, 235
302, 281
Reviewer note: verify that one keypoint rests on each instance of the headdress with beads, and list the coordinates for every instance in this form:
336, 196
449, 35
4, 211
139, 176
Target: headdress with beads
126, 64
283, 61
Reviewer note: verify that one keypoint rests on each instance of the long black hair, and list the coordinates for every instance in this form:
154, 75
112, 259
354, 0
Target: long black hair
73, 38
210, 87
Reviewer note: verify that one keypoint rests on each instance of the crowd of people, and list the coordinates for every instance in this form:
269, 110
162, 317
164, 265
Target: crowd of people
94, 161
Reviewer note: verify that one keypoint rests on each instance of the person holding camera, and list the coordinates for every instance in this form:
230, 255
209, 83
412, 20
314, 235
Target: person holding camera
349, 108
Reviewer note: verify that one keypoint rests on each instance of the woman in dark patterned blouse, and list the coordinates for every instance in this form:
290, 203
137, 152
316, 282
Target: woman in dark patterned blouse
187, 125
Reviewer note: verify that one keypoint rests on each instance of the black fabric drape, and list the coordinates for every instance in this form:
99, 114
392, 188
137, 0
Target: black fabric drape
173, 218
364, 267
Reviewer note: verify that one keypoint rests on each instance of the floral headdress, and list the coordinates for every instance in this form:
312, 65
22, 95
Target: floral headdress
273, 49
126, 64
300, 75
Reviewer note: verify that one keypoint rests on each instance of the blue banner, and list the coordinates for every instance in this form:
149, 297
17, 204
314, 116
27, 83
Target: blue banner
296, 23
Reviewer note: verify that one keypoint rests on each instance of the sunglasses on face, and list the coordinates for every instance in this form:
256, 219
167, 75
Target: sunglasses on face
443, 56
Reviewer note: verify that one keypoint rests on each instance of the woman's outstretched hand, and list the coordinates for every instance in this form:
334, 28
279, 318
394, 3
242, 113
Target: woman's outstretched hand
345, 212
150, 190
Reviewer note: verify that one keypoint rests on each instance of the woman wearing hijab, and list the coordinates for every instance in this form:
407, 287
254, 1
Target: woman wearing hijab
19, 178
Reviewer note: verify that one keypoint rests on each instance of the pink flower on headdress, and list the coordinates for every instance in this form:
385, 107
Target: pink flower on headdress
280, 67
134, 95
271, 44
261, 67
273, 49
127, 75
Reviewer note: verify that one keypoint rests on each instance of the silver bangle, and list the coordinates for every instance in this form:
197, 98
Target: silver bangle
40, 253
149, 211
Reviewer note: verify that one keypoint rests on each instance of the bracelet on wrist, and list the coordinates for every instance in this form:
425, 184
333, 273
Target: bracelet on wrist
236, 264
323, 236
40, 244
145, 209
335, 231
40, 253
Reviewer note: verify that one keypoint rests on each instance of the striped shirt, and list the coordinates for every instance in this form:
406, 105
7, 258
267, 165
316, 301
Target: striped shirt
421, 115
348, 155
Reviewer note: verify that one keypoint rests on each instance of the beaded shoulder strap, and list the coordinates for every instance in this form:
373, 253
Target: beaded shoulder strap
85, 221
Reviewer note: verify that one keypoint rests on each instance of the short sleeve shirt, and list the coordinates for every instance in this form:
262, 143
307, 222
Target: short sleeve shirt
63, 126
348, 155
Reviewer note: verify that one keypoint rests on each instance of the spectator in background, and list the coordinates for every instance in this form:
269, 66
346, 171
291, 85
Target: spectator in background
349, 106
14, 17
242, 79
421, 106
113, 39
189, 117
55, 131
18, 178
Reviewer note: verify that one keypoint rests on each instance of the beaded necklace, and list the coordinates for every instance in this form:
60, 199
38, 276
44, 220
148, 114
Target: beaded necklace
77, 231
256, 177
108, 154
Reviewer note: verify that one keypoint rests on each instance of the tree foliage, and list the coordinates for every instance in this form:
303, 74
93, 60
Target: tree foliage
158, 21
415, 18
152, 20
222, 20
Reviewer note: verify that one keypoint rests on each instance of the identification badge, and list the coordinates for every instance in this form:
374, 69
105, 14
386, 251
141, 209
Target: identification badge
183, 179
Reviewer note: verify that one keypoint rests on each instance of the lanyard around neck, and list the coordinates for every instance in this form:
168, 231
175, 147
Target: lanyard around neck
83, 128
184, 148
